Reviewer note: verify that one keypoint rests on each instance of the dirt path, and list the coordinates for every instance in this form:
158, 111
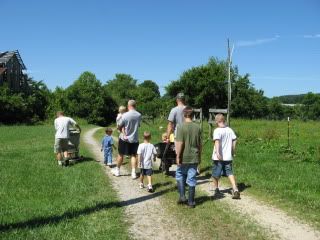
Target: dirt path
144, 211
153, 224
271, 218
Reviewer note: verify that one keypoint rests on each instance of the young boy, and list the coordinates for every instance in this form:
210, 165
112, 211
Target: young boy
188, 150
146, 153
224, 148
106, 146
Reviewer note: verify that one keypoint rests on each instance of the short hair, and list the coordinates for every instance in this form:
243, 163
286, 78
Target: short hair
220, 118
109, 130
122, 109
60, 113
132, 103
146, 135
188, 112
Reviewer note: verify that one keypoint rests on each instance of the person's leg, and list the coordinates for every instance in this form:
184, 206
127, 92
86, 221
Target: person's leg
192, 182
133, 165
109, 158
181, 179
141, 179
232, 179
119, 160
149, 180
216, 173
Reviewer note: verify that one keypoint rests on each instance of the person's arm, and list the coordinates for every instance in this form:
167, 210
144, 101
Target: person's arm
234, 142
179, 150
217, 149
170, 128
179, 145
102, 144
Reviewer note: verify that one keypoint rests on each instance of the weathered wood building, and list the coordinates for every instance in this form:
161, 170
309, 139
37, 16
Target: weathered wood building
11, 70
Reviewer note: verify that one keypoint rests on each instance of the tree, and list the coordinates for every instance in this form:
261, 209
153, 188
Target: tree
86, 98
311, 106
205, 85
121, 88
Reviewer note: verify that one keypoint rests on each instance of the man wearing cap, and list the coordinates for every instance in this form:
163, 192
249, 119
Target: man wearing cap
176, 115
129, 140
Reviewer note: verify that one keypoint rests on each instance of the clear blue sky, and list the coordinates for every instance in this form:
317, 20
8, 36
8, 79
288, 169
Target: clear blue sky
277, 42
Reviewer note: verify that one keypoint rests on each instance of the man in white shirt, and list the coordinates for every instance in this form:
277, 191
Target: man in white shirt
61, 125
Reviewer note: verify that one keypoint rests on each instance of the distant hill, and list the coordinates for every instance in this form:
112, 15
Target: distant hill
291, 99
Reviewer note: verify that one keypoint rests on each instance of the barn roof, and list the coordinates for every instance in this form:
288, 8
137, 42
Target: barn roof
6, 56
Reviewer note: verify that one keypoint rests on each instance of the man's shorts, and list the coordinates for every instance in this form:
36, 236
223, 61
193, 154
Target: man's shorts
60, 145
221, 168
126, 148
146, 172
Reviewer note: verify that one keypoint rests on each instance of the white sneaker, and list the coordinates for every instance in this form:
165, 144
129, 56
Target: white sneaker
116, 171
141, 185
60, 163
150, 188
133, 175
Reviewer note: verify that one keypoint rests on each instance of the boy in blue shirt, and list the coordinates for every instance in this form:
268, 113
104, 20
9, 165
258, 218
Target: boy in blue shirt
106, 146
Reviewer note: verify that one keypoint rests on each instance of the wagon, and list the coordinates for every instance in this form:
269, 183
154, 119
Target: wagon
166, 152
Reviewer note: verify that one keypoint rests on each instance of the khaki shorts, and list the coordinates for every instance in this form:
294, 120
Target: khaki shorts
60, 145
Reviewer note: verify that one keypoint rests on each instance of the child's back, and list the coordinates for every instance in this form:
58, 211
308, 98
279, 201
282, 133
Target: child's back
147, 152
226, 136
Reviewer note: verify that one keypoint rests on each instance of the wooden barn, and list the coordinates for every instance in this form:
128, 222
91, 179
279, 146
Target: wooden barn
11, 70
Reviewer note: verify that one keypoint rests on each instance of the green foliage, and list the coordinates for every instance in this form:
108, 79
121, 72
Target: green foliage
86, 98
311, 104
205, 85
29, 106
121, 88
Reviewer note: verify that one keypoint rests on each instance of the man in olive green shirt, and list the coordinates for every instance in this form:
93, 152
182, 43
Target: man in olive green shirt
188, 150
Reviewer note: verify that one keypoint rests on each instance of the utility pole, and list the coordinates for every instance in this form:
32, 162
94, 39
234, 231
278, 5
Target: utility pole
230, 51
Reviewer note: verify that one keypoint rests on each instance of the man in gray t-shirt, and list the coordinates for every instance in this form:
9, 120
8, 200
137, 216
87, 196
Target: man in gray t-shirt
129, 140
176, 115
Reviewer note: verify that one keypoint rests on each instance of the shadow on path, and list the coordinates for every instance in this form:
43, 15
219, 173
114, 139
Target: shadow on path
42, 221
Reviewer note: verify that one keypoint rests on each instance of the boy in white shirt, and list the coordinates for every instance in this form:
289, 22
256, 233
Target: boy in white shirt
224, 148
146, 153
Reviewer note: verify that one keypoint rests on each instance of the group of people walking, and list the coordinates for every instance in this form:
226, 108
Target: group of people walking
188, 148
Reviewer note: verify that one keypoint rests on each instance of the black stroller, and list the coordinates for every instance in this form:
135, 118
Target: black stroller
166, 152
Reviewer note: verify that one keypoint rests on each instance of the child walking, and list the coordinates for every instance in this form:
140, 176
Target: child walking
106, 146
224, 148
146, 153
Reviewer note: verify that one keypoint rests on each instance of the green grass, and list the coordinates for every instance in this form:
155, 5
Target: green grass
40, 200
210, 219
286, 178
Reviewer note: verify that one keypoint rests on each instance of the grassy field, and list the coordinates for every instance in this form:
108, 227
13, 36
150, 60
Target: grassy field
40, 200
267, 168
214, 220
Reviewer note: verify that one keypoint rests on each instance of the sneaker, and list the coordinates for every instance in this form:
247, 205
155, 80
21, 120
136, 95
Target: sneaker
141, 185
116, 171
235, 194
150, 189
60, 163
109, 164
133, 175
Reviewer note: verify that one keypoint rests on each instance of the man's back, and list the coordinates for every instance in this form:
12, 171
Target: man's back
61, 125
190, 134
131, 122
176, 116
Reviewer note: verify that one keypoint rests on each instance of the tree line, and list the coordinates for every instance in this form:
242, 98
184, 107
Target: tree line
205, 87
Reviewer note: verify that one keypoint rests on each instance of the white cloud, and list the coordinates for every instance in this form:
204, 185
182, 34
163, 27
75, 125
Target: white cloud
257, 41
312, 36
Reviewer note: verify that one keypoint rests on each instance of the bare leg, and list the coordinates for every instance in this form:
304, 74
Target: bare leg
133, 162
59, 156
65, 154
149, 180
119, 160
215, 183
141, 178
233, 182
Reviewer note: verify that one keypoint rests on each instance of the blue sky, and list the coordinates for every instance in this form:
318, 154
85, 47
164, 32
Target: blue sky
276, 42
